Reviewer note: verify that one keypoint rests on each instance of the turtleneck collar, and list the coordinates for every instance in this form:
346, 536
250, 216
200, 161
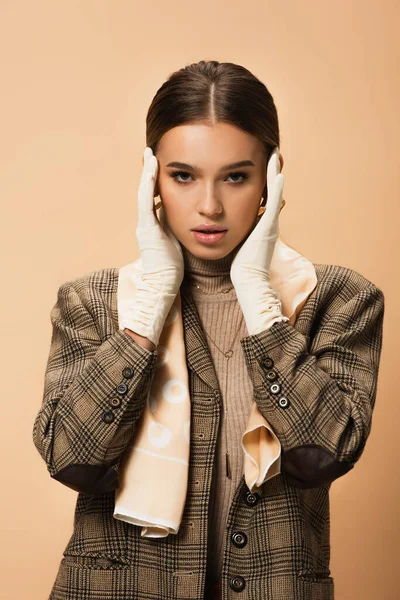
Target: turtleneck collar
209, 277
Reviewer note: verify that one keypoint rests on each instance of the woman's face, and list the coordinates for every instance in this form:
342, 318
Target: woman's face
203, 191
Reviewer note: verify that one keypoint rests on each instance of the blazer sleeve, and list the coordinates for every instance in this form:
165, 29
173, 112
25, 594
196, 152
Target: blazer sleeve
319, 399
94, 393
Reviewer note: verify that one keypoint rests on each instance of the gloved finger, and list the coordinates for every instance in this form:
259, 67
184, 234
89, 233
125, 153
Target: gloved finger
276, 201
168, 231
269, 222
273, 168
146, 216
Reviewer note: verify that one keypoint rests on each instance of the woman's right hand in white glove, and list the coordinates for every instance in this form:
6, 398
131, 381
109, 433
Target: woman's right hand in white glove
161, 257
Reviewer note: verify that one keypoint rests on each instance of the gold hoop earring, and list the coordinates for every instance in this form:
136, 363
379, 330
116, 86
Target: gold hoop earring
159, 204
262, 209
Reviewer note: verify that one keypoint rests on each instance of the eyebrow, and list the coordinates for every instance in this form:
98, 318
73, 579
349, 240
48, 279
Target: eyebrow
236, 165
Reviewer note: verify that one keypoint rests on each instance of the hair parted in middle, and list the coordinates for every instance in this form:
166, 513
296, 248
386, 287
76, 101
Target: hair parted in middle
212, 92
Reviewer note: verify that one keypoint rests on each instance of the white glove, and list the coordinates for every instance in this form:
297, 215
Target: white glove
162, 261
260, 303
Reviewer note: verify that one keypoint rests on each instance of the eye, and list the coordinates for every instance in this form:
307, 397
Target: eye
243, 175
177, 174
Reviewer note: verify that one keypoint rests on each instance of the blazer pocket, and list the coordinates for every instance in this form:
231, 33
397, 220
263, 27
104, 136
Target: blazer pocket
90, 577
92, 562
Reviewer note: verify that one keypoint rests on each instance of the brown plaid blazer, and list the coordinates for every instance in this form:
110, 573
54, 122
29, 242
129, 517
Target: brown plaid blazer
277, 544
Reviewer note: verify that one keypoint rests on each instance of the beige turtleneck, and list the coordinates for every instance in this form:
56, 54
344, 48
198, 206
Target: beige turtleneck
222, 320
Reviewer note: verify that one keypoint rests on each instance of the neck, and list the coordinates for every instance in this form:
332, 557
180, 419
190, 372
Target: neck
210, 276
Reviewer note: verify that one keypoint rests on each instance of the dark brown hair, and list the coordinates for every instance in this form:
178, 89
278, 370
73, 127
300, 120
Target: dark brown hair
211, 92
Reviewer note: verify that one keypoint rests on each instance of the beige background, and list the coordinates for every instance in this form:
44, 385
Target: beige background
76, 81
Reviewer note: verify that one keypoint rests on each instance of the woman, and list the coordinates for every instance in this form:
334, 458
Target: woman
313, 380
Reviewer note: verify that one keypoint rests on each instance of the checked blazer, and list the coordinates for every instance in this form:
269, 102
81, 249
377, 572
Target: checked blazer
277, 544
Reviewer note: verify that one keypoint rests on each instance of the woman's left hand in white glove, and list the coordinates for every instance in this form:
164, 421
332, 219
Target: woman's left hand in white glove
260, 303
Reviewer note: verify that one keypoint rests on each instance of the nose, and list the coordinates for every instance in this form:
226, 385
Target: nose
209, 205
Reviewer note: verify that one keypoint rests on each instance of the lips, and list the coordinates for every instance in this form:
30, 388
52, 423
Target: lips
209, 237
209, 230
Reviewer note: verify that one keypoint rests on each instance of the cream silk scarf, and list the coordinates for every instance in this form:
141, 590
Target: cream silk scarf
154, 468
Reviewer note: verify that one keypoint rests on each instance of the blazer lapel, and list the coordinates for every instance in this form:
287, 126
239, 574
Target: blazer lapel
198, 354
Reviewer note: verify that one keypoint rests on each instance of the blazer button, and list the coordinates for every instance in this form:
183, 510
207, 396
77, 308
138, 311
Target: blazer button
283, 402
239, 539
275, 388
269, 363
122, 388
115, 402
127, 372
272, 375
252, 499
108, 417
237, 583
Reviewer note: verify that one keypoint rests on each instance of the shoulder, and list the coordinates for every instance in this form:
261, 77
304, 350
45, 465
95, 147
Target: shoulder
342, 280
344, 291
98, 282
91, 294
